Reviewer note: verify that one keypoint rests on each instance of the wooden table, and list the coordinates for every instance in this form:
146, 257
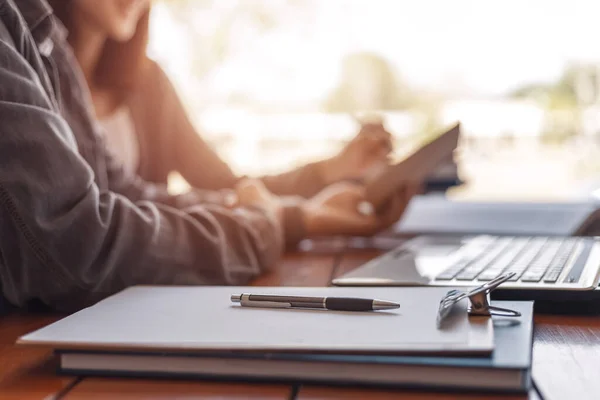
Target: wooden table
566, 357
27, 373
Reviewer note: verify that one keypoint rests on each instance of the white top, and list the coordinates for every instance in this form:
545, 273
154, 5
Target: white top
121, 138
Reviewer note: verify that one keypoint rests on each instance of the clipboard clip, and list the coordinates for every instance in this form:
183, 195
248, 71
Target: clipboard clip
479, 300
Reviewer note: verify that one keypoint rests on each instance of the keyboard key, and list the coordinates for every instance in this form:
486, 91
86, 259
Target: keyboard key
502, 262
558, 264
548, 253
577, 269
448, 274
470, 254
549, 262
478, 266
521, 263
488, 275
534, 276
552, 276
454, 269
530, 259
468, 275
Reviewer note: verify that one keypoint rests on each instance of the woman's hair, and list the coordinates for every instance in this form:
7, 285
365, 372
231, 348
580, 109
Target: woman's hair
121, 63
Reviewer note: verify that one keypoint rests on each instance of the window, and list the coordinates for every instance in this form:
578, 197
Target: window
275, 84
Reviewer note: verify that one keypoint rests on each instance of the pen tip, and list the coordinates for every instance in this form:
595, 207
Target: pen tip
384, 305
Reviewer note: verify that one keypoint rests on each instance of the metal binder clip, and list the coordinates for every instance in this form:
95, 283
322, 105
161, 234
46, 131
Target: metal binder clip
479, 300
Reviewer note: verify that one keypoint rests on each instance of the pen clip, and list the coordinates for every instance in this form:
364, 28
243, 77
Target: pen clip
245, 300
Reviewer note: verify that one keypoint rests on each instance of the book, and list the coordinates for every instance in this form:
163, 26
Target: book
95, 341
508, 370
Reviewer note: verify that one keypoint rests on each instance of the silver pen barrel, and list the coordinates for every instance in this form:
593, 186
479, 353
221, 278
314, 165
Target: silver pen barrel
277, 301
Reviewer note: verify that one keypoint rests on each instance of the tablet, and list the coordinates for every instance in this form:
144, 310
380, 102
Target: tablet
415, 168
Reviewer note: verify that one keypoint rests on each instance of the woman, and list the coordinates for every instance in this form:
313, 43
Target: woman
146, 125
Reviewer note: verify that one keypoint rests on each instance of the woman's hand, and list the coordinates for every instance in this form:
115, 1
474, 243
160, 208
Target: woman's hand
253, 193
368, 151
335, 211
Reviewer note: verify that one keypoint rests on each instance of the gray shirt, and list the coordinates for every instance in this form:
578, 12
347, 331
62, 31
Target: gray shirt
74, 226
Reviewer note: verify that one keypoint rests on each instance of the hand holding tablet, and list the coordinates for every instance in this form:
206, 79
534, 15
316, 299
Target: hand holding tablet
414, 170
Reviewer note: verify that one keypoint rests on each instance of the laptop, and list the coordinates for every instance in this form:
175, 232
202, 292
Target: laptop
434, 214
532, 240
437, 215
545, 267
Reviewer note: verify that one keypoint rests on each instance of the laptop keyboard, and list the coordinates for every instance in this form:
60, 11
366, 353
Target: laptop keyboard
531, 259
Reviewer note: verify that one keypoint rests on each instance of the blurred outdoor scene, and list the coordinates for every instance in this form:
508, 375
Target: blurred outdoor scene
274, 84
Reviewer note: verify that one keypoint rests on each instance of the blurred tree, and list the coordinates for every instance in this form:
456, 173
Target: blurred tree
578, 87
368, 83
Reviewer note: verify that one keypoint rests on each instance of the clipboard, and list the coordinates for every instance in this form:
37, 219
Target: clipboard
415, 168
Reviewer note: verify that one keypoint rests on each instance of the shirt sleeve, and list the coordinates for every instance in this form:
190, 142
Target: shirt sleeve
68, 243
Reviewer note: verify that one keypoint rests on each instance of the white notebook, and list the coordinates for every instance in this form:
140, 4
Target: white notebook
200, 319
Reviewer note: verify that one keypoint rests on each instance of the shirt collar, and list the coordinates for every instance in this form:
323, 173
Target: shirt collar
37, 15
34, 12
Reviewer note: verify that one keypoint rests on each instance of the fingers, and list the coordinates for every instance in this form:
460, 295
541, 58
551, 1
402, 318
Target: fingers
245, 189
248, 183
251, 191
382, 152
352, 189
343, 209
392, 211
343, 195
413, 189
230, 199
375, 130
377, 146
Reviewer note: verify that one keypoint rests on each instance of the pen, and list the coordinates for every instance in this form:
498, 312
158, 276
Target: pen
328, 303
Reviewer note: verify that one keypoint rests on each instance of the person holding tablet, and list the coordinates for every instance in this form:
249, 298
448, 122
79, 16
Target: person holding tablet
76, 227
146, 125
